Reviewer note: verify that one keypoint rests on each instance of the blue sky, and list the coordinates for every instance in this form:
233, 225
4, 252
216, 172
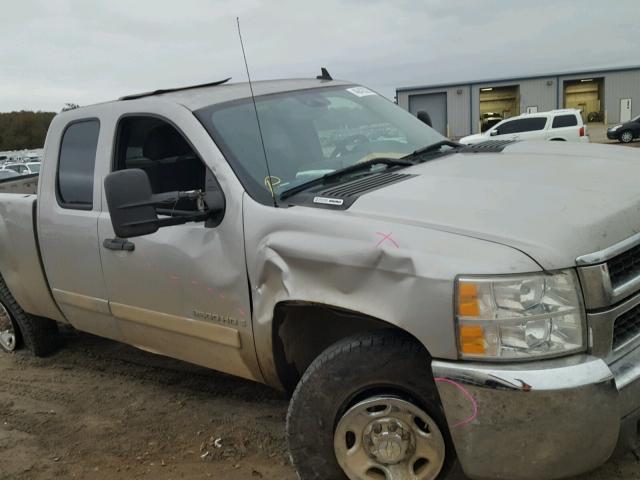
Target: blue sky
57, 51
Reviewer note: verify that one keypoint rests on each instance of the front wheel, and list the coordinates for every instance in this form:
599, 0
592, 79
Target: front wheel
368, 409
626, 136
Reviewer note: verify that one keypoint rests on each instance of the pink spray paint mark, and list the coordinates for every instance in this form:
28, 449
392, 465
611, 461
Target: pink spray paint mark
222, 296
469, 397
174, 278
241, 311
386, 237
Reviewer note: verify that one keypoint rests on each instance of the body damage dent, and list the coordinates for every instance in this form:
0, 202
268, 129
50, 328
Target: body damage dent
302, 254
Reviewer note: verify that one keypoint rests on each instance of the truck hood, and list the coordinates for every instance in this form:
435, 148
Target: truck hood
553, 201
475, 138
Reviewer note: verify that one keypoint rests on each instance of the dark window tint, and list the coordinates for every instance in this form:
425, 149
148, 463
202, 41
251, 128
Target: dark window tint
522, 125
77, 163
562, 121
158, 148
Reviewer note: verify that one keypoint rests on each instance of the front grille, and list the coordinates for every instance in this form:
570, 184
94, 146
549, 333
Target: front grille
626, 327
625, 266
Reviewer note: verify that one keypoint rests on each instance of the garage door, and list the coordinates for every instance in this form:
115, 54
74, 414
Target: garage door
435, 104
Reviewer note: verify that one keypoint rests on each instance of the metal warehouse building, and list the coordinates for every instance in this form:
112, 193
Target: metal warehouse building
459, 109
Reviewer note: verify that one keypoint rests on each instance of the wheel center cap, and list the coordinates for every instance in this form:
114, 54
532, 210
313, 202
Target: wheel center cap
388, 440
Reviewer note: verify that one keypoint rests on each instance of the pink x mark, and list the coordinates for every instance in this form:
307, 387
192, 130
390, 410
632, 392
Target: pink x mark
386, 237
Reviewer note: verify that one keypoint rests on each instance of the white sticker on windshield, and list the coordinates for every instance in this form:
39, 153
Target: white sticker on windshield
360, 91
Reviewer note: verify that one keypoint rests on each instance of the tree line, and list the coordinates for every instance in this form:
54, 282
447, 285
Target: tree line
24, 130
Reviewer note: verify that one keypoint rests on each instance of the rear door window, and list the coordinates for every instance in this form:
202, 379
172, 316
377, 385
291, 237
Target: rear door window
522, 125
76, 165
562, 121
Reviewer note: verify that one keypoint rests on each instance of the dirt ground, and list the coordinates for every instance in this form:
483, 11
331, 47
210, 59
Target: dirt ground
98, 409
102, 410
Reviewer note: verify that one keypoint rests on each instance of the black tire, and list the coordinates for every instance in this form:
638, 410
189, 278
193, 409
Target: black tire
39, 335
626, 136
346, 373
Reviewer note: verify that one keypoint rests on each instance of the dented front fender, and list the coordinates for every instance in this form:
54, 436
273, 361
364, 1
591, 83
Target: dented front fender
399, 272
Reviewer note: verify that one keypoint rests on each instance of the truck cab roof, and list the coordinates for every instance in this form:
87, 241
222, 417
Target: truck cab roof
196, 97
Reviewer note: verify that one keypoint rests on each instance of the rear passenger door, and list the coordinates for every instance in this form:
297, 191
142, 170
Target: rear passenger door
68, 209
564, 127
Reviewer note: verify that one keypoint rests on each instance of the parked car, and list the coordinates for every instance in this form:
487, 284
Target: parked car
558, 125
19, 168
625, 132
34, 167
489, 119
429, 306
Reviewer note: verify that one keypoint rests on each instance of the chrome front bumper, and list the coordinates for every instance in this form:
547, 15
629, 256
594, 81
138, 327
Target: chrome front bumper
539, 420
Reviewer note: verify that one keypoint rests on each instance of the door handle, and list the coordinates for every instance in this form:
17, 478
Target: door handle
119, 244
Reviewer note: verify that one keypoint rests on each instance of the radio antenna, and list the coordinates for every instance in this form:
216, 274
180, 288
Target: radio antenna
269, 180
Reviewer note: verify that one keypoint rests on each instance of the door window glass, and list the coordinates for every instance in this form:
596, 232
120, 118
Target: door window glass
562, 121
159, 149
522, 125
76, 165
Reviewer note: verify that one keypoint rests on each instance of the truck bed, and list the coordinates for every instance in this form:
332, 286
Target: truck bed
20, 261
24, 184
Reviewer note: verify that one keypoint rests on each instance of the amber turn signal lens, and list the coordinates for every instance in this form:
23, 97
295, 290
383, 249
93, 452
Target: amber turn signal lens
468, 305
472, 339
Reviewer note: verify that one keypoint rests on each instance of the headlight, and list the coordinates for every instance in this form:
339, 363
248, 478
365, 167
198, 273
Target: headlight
519, 316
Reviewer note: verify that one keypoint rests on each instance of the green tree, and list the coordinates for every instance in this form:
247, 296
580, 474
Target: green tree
24, 130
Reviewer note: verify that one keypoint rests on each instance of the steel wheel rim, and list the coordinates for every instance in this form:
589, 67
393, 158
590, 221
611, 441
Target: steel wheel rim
627, 137
7, 331
386, 438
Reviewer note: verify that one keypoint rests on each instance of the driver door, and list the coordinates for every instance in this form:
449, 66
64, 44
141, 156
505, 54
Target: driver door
182, 291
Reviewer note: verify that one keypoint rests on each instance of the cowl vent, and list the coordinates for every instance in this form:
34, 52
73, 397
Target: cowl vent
490, 146
366, 184
342, 196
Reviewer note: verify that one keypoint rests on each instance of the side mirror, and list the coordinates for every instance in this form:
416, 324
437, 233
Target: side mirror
424, 117
494, 132
130, 202
132, 205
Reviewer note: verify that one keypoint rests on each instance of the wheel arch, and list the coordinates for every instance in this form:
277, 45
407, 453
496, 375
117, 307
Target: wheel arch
302, 330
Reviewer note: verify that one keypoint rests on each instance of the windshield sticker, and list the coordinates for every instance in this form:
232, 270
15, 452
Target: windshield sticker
328, 201
361, 91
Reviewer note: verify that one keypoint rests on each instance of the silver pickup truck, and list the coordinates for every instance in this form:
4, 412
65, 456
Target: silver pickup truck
434, 310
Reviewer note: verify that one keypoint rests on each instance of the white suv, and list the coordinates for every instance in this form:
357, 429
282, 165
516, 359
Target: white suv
559, 125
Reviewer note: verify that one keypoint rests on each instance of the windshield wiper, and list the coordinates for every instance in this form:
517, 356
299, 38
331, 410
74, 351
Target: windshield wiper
358, 167
434, 147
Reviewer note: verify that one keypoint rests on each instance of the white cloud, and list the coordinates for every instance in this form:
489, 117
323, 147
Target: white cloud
57, 51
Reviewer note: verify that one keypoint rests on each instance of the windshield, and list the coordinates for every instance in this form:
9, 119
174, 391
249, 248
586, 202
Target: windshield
34, 167
310, 133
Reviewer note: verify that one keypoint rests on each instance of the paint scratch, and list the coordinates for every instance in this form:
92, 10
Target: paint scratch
469, 397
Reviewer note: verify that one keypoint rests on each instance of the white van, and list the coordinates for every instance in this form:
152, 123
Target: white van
559, 125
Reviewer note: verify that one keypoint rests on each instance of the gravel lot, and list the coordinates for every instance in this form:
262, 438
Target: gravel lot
101, 410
